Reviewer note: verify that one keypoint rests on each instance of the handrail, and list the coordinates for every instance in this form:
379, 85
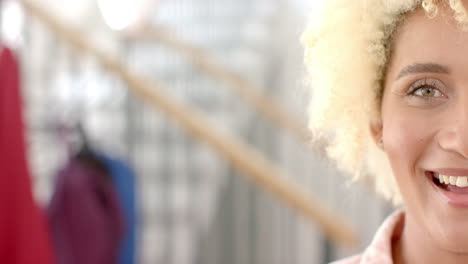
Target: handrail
248, 161
265, 104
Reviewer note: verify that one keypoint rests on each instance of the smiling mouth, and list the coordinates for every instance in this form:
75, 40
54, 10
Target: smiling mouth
445, 181
454, 189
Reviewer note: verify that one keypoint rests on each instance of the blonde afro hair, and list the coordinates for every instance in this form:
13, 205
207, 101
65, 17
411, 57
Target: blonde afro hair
346, 49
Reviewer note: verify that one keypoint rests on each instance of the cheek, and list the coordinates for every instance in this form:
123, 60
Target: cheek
406, 136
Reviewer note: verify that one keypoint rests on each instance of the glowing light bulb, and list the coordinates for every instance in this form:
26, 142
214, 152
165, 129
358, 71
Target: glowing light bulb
12, 23
120, 14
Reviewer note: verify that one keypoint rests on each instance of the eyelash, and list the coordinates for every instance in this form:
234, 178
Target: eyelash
425, 83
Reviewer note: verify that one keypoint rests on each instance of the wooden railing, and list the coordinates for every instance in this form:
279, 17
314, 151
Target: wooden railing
202, 60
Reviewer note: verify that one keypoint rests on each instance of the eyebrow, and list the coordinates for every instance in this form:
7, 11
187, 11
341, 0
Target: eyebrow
422, 68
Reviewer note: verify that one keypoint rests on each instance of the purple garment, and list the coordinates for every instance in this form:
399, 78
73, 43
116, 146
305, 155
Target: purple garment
85, 218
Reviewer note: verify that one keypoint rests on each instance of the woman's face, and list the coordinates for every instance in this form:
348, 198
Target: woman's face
424, 126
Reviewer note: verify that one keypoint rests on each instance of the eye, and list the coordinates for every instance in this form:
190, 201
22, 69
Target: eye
426, 89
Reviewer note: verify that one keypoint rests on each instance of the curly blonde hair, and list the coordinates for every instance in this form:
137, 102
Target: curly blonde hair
347, 46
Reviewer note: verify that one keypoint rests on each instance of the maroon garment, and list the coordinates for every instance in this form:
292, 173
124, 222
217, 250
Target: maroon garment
85, 218
23, 236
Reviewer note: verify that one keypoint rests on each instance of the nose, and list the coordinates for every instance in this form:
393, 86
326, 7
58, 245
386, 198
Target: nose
454, 135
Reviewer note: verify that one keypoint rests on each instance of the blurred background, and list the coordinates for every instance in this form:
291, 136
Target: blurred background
193, 196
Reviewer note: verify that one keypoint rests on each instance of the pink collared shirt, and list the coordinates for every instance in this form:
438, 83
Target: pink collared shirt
380, 249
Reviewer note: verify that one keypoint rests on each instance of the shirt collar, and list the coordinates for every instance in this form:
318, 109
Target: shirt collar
380, 250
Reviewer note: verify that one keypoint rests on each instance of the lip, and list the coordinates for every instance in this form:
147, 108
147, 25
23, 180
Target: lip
452, 171
455, 199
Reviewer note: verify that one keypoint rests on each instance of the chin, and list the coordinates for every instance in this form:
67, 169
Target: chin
455, 243
451, 232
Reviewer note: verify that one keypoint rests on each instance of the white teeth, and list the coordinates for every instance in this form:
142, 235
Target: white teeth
460, 181
453, 180
446, 179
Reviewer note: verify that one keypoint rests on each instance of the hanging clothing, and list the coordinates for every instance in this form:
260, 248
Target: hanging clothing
84, 214
23, 235
123, 179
